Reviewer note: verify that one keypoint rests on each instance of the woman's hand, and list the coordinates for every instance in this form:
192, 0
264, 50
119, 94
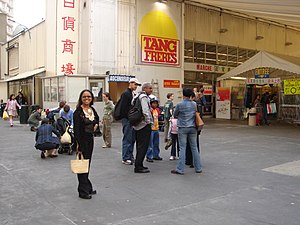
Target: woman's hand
95, 127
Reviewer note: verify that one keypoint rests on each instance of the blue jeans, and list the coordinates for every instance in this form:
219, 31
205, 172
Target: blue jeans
153, 150
128, 140
188, 134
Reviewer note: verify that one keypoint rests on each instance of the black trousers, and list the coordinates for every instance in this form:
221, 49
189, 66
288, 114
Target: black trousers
84, 184
142, 144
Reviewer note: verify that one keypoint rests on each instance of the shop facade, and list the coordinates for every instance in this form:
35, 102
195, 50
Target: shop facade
99, 45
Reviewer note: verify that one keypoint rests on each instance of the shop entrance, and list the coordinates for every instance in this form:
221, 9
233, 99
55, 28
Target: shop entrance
116, 89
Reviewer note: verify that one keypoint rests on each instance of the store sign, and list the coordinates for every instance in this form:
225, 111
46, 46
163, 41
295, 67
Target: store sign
262, 81
67, 36
157, 50
207, 68
262, 72
207, 90
171, 83
119, 78
292, 87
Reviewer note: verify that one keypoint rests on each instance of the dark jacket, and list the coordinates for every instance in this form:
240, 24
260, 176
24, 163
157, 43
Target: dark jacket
44, 134
21, 100
126, 102
79, 125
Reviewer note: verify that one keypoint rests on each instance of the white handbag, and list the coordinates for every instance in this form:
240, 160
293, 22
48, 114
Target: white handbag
66, 137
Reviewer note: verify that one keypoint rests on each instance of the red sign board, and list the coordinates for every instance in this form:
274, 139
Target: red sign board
171, 83
157, 50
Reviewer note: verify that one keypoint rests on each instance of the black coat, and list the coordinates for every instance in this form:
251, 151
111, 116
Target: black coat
126, 102
79, 129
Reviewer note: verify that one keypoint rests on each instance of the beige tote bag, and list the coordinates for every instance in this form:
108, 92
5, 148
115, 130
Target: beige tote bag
80, 165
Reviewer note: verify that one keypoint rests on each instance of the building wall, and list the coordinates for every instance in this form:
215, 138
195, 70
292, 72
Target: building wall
203, 25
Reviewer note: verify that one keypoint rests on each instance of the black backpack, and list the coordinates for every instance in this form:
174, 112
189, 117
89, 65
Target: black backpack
135, 114
117, 110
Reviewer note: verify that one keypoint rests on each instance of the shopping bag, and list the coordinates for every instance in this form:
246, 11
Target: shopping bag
66, 137
5, 115
199, 121
81, 165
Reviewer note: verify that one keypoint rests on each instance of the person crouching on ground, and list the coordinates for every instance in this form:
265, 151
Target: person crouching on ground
45, 141
11, 108
185, 112
107, 119
143, 129
34, 119
153, 150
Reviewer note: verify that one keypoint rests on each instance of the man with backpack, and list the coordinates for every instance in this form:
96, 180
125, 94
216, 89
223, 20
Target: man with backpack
143, 128
121, 113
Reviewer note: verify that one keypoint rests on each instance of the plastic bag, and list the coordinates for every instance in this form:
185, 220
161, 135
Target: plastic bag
5, 115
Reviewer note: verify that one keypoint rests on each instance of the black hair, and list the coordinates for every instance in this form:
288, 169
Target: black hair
45, 121
187, 92
79, 103
10, 97
169, 95
107, 95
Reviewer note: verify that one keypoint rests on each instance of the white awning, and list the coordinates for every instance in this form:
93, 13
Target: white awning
26, 74
262, 59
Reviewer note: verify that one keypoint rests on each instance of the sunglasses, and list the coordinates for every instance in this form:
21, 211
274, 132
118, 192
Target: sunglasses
87, 96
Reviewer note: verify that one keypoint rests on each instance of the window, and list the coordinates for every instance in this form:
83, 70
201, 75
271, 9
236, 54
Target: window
61, 89
188, 51
53, 89
211, 56
97, 87
222, 55
199, 53
47, 90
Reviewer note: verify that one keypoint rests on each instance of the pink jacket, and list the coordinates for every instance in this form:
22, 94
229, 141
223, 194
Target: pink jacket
12, 105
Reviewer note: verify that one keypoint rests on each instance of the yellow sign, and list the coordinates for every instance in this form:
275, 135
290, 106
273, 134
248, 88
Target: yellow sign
292, 87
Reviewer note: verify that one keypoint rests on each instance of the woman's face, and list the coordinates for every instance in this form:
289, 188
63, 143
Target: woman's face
86, 98
105, 98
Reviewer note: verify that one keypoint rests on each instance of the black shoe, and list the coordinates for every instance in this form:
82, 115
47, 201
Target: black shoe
145, 168
158, 158
142, 170
93, 192
192, 166
176, 172
85, 196
43, 155
149, 160
200, 171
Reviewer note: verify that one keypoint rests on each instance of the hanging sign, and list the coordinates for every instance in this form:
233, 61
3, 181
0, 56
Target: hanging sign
262, 81
292, 87
262, 72
119, 78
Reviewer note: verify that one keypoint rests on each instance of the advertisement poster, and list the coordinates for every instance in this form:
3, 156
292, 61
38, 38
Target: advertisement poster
292, 87
223, 103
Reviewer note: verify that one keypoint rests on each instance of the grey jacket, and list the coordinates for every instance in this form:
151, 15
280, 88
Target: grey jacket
148, 119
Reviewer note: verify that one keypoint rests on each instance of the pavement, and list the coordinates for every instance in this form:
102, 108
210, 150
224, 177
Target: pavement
251, 175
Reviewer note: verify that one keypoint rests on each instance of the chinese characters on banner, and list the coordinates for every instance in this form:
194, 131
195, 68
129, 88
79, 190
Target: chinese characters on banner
292, 86
67, 37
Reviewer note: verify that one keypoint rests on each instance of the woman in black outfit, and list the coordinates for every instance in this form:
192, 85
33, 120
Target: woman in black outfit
86, 121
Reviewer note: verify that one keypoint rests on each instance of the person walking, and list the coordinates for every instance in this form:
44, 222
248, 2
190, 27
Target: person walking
185, 112
86, 121
107, 119
11, 108
265, 100
168, 106
128, 132
143, 129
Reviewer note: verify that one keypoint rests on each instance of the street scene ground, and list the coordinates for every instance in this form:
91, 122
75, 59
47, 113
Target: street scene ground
251, 175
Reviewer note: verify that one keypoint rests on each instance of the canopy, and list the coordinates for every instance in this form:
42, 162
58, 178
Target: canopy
26, 74
262, 59
282, 11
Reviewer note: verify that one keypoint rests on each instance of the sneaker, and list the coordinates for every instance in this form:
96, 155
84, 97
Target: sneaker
149, 160
172, 157
127, 162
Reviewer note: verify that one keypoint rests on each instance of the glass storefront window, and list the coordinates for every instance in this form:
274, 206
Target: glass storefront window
53, 89
47, 90
188, 51
97, 87
61, 89
199, 53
